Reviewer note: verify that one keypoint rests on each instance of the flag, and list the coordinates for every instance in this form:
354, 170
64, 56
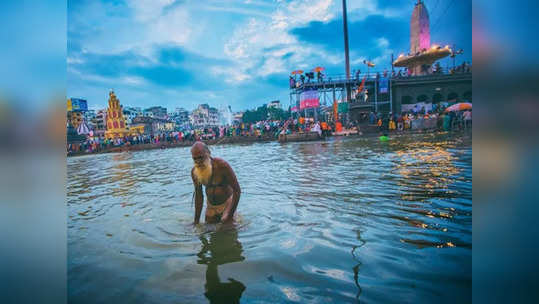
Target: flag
309, 99
335, 110
383, 84
362, 85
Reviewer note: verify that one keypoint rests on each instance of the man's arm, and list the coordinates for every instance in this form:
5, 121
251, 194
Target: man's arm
199, 198
231, 179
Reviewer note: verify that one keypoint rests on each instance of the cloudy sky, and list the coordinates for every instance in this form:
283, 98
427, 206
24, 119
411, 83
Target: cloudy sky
235, 52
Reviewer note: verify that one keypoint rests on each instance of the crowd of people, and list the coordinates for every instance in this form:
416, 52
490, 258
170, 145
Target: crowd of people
270, 129
465, 67
296, 82
259, 129
438, 120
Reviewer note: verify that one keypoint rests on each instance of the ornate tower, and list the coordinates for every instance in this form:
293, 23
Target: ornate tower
422, 54
419, 29
115, 119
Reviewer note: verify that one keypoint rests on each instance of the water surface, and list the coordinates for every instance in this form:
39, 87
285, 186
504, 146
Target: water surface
338, 221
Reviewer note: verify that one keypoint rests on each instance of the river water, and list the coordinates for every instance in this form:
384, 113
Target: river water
339, 221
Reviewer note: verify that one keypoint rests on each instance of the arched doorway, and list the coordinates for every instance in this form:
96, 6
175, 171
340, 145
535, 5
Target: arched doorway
467, 96
422, 98
452, 96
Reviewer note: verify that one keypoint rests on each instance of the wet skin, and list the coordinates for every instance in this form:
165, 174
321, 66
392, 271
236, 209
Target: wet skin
222, 188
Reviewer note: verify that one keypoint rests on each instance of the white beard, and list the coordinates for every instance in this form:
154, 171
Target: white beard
203, 173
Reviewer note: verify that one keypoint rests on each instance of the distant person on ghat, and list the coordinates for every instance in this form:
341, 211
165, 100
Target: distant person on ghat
222, 188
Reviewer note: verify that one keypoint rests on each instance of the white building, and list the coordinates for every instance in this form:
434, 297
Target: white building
157, 112
130, 113
100, 122
238, 117
89, 115
275, 104
205, 116
180, 116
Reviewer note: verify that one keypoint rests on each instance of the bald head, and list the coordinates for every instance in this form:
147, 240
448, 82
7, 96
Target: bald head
200, 153
200, 147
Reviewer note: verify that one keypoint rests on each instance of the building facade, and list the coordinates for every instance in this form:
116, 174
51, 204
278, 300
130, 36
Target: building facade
151, 125
205, 116
237, 118
100, 120
116, 126
130, 113
157, 112
76, 109
180, 116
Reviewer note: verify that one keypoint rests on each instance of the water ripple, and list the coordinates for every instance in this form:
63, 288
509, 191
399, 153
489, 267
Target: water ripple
330, 221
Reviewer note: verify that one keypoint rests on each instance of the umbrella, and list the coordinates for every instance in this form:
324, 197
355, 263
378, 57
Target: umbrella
459, 107
318, 69
297, 72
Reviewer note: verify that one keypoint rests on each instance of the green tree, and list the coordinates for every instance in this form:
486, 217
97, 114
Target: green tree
264, 113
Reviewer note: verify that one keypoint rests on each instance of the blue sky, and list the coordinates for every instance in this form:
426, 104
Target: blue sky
235, 52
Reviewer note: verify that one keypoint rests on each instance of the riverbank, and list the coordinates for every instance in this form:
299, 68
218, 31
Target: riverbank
176, 144
423, 126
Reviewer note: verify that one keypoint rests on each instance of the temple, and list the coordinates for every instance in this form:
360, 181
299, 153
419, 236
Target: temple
419, 29
116, 127
422, 55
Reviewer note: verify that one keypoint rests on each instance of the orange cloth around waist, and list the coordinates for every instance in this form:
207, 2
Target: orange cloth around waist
214, 210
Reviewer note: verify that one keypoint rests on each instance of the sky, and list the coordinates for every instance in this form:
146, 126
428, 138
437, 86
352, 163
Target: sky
236, 52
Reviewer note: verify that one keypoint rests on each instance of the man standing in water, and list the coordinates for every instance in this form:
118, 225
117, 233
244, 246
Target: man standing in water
222, 188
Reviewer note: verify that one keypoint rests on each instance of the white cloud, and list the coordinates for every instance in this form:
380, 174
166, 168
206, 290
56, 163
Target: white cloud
272, 65
384, 59
141, 30
132, 81
225, 8
361, 9
382, 42
74, 60
173, 27
257, 47
230, 75
147, 10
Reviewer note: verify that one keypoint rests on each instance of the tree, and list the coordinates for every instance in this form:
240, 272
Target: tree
278, 114
264, 113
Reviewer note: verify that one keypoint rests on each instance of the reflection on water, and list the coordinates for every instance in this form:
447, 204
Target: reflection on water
222, 247
345, 220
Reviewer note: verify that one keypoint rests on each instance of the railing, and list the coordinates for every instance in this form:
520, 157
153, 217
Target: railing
374, 75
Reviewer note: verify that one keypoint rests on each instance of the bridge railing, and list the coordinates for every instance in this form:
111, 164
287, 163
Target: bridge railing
371, 76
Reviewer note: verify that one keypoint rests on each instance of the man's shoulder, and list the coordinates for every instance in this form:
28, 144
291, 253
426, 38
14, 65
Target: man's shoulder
220, 162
